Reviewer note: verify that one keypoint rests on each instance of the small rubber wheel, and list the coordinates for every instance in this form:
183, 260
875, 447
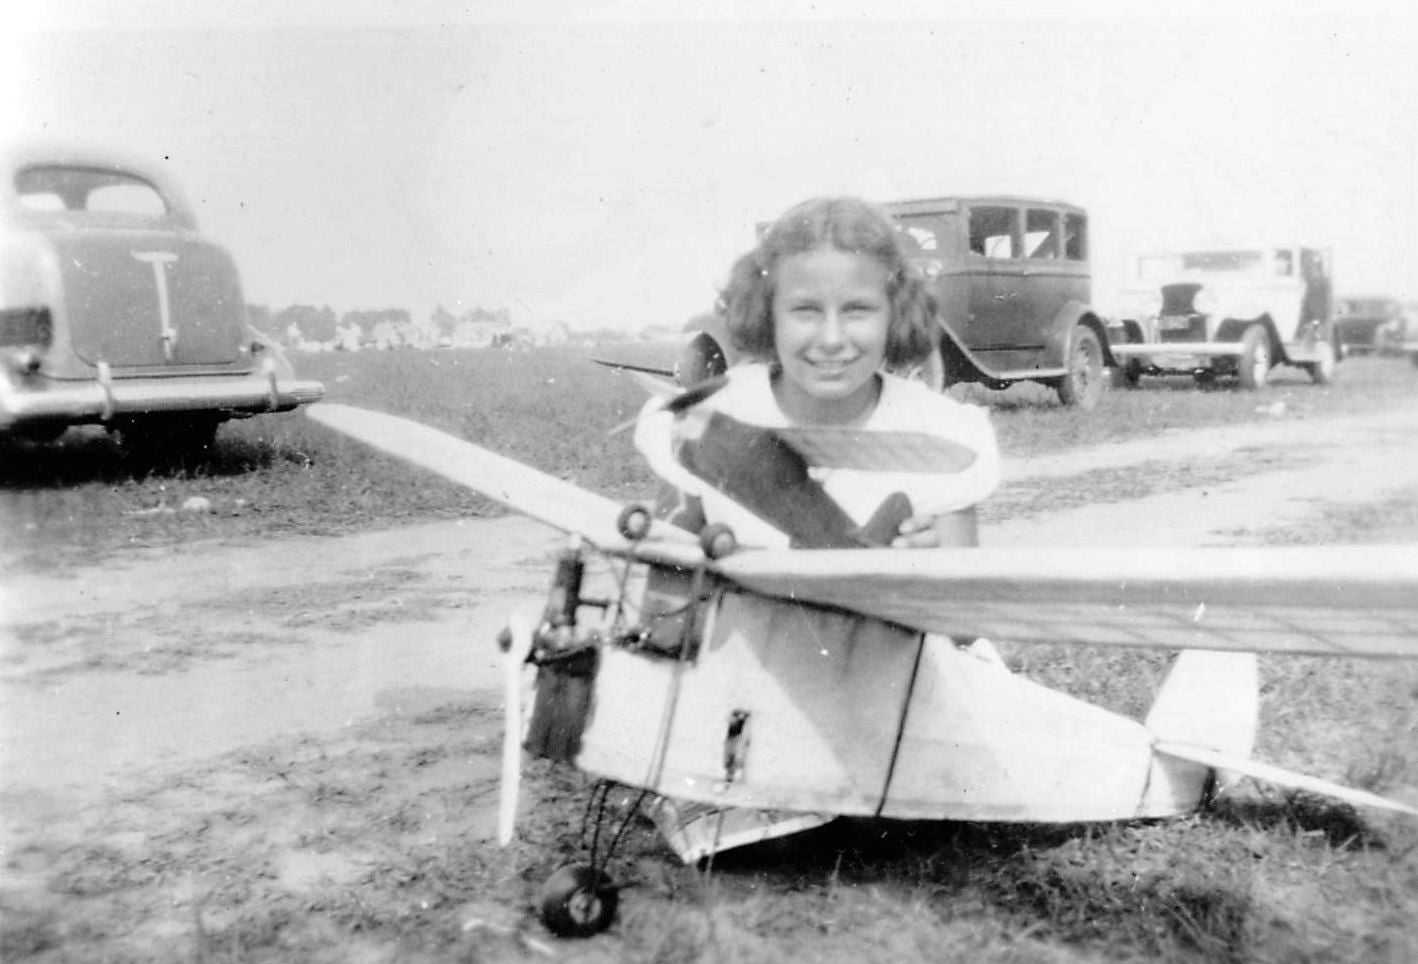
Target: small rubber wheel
633, 522
577, 901
717, 540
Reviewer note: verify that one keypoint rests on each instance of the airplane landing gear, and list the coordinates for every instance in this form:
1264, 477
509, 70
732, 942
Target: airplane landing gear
577, 901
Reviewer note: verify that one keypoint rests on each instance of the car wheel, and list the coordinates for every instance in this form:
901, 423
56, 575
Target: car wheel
1254, 364
1083, 385
41, 433
1321, 372
168, 440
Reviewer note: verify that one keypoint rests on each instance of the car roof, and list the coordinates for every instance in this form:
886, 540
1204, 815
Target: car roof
955, 202
17, 157
1224, 246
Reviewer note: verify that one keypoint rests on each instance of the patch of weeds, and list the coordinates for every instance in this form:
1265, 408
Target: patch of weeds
101, 870
1299, 814
25, 932
1131, 892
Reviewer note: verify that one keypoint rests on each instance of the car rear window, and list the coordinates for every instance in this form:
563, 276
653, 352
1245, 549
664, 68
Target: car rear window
80, 189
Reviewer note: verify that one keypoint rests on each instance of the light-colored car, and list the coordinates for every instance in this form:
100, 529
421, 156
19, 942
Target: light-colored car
1013, 279
1226, 311
115, 310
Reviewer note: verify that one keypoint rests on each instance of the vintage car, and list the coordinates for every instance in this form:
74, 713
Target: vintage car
1226, 311
115, 311
1013, 280
1372, 325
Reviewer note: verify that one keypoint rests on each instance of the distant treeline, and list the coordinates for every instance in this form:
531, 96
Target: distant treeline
388, 327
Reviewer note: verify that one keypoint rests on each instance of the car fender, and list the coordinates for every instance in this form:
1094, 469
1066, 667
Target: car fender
1060, 330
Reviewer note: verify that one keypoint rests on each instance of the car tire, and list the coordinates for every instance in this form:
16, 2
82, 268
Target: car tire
1322, 372
1083, 385
157, 441
1253, 367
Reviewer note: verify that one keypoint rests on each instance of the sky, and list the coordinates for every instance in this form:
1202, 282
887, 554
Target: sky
601, 163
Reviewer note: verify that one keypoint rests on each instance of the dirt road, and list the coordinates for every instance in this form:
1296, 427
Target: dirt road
159, 667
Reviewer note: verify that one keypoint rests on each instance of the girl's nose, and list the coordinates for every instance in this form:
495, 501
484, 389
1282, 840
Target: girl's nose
830, 333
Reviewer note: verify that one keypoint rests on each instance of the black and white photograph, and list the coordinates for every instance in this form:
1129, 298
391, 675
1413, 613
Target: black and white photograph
618, 481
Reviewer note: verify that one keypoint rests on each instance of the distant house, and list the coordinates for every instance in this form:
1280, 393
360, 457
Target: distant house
349, 337
385, 335
475, 333
420, 334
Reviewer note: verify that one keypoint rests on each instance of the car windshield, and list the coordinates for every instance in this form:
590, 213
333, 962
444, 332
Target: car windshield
1242, 261
63, 188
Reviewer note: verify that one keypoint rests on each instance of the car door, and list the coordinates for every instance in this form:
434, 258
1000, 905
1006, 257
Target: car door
992, 265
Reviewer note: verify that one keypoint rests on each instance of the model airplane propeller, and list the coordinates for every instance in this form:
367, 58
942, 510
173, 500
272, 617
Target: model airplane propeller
753, 693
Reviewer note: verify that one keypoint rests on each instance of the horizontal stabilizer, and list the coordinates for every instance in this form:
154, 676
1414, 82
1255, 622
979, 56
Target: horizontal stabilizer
1280, 777
664, 374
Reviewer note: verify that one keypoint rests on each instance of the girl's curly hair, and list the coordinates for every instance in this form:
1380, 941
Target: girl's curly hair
844, 224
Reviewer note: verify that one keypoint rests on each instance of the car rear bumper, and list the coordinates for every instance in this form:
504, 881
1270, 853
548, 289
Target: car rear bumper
1160, 350
30, 400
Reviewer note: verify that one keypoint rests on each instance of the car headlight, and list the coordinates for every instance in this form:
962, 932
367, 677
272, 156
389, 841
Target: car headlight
1206, 302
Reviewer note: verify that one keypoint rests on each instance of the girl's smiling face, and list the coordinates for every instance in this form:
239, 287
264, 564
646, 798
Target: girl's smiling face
831, 312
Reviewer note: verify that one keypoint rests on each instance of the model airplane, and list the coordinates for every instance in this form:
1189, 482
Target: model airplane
752, 693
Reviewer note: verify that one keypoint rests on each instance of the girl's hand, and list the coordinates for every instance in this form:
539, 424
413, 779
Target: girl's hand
958, 528
917, 532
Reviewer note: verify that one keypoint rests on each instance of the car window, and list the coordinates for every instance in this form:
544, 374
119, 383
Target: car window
60, 188
923, 235
127, 199
1041, 233
1076, 237
1284, 262
992, 232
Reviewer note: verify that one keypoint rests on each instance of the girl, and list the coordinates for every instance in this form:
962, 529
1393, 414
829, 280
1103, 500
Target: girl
828, 303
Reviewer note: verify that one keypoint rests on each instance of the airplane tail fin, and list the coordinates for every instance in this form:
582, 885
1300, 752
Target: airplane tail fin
1209, 699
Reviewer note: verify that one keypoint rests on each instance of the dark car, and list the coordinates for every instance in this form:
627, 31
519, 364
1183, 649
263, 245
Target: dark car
115, 311
1372, 325
1013, 279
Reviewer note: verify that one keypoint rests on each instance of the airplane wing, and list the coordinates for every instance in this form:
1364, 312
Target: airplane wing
1334, 600
521, 487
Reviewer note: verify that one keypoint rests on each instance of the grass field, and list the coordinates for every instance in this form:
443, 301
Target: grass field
551, 408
